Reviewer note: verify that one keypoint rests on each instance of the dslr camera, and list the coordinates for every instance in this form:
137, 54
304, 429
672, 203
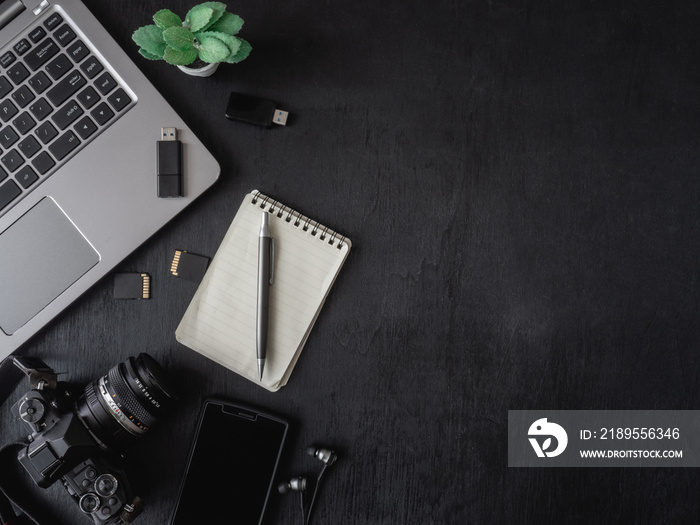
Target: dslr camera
76, 437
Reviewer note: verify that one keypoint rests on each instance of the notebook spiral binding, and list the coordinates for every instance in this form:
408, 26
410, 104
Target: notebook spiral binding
281, 210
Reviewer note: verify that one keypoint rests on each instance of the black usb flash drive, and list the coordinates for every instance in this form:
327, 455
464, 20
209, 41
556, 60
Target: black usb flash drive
254, 110
169, 164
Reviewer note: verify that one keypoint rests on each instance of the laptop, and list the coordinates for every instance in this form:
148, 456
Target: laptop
78, 185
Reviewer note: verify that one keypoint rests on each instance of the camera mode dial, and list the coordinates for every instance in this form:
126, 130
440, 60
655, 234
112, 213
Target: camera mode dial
89, 503
31, 410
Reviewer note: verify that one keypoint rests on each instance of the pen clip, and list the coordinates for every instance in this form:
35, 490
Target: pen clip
272, 260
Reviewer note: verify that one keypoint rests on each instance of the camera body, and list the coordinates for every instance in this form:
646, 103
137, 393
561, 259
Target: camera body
58, 439
73, 437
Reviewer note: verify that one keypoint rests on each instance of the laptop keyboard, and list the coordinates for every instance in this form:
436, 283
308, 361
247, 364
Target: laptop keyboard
56, 96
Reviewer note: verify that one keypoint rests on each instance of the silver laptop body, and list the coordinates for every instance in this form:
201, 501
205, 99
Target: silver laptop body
79, 123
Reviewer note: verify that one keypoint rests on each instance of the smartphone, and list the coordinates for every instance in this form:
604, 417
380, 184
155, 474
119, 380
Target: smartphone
231, 467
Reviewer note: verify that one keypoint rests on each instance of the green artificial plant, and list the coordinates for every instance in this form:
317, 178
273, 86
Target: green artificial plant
207, 33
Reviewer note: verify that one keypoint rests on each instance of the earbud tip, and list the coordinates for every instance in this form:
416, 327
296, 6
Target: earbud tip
283, 487
311, 451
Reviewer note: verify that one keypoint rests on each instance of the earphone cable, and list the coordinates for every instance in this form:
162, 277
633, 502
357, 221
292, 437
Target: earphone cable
307, 520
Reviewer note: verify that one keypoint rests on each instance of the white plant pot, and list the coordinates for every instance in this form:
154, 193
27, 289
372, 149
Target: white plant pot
204, 71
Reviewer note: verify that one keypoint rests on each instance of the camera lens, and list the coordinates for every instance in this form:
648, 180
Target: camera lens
124, 404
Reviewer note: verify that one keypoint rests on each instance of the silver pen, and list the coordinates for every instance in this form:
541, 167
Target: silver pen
266, 250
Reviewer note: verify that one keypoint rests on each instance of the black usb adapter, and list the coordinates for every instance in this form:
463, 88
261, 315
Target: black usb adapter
169, 164
254, 110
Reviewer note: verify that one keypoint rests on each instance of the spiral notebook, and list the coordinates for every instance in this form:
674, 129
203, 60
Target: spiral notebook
220, 321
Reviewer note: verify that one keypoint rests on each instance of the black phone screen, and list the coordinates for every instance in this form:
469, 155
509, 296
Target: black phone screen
231, 466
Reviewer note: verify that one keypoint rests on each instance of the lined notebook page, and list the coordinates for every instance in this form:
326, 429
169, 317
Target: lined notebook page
220, 321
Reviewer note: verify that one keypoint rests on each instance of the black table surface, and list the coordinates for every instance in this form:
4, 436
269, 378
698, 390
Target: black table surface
520, 181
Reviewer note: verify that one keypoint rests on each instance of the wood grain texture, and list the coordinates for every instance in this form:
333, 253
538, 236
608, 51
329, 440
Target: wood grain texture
520, 181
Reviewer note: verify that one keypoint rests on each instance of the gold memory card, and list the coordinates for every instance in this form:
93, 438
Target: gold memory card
132, 286
189, 266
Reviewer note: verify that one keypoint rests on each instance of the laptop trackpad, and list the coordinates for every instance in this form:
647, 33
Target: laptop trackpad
41, 255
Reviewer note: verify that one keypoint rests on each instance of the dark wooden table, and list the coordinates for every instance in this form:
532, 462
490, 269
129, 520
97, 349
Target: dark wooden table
521, 182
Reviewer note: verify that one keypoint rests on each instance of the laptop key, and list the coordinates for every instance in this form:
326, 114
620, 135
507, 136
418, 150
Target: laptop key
7, 110
64, 35
39, 83
91, 67
41, 54
64, 144
88, 97
105, 83
7, 58
8, 137
58, 67
8, 192
37, 34
12, 161
40, 109
3, 175
29, 147
66, 115
78, 51
119, 99
53, 21
102, 114
22, 47
18, 73
85, 127
26, 177
23, 96
43, 163
24, 123
66, 88
5, 87
46, 132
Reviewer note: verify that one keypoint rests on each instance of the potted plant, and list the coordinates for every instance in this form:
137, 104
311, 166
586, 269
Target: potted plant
207, 35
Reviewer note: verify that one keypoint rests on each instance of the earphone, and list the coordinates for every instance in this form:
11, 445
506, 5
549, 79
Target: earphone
294, 484
327, 456
299, 484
